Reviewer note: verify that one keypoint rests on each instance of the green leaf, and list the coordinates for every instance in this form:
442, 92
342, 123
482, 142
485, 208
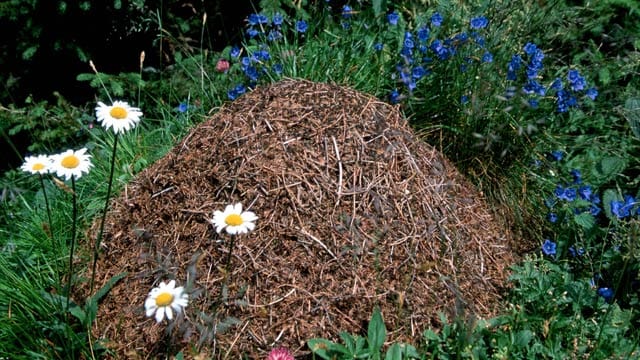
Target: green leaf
321, 347
78, 313
376, 333
604, 75
522, 338
632, 113
585, 220
379, 6
608, 196
394, 353
85, 77
91, 307
609, 167
29, 52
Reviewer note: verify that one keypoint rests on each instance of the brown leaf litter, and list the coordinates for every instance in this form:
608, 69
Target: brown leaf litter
355, 211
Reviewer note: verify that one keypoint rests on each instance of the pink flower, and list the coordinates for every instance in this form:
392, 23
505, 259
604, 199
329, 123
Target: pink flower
222, 65
280, 354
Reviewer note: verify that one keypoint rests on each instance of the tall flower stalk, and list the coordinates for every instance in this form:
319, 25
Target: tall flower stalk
40, 165
120, 117
70, 165
234, 221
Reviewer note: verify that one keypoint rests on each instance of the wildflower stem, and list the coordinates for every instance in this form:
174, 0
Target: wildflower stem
46, 204
73, 241
96, 245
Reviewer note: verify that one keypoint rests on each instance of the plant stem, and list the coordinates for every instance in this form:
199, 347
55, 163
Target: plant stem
73, 241
96, 246
46, 203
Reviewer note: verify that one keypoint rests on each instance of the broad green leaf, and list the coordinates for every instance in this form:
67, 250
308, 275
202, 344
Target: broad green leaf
632, 113
376, 333
609, 167
585, 220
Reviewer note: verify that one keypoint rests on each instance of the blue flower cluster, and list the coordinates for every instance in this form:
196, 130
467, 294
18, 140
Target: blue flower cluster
565, 98
569, 97
626, 208
257, 62
568, 193
516, 68
419, 50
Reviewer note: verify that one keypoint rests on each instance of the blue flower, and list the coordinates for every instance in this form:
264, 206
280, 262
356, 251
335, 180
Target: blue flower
378, 46
552, 217
585, 192
408, 40
592, 93
394, 97
347, 11
567, 194
557, 155
418, 72
479, 22
252, 32
533, 103
436, 20
183, 107
606, 293
393, 18
622, 209
556, 84
252, 73
576, 81
487, 57
530, 48
236, 91
577, 176
423, 33
301, 26
440, 50
464, 99
257, 19
549, 247
274, 35
277, 68
277, 19
574, 252
235, 51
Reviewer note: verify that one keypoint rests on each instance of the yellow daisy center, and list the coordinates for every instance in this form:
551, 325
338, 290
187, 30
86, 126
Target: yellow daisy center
233, 220
164, 299
118, 112
70, 162
38, 166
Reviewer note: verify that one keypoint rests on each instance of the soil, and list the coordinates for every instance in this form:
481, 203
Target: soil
355, 211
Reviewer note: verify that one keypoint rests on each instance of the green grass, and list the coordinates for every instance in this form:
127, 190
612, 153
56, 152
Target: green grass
558, 307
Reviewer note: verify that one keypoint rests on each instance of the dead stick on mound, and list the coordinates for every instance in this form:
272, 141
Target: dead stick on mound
318, 241
335, 147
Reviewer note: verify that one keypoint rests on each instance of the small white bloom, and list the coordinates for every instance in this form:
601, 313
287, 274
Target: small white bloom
71, 163
40, 164
165, 299
119, 116
234, 220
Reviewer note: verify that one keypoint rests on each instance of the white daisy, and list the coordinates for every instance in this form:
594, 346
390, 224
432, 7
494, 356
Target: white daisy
119, 116
164, 299
71, 163
234, 220
40, 164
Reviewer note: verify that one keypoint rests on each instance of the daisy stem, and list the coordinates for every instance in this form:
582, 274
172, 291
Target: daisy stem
73, 240
228, 265
96, 246
46, 204
227, 277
